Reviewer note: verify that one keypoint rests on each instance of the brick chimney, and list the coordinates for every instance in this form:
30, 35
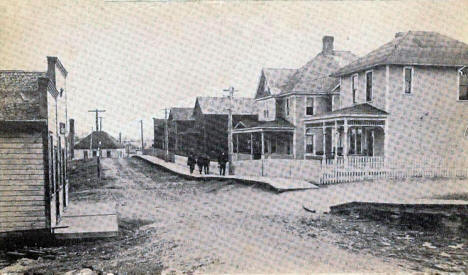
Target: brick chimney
327, 44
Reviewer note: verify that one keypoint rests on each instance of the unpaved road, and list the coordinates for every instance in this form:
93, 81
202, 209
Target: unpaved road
169, 223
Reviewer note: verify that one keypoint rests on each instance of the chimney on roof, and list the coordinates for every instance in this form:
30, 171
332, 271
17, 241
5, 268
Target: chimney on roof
327, 44
399, 34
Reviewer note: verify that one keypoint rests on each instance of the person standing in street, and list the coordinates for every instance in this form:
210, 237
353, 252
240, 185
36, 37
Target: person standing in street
222, 160
200, 163
206, 164
191, 162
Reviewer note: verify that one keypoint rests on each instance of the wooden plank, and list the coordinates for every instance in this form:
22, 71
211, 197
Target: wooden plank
21, 151
5, 220
26, 214
20, 146
22, 177
23, 225
38, 226
21, 198
20, 203
39, 188
21, 156
21, 140
35, 134
21, 161
26, 182
21, 193
4, 172
21, 208
21, 167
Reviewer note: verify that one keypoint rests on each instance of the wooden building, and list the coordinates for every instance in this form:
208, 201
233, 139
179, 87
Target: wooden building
211, 121
181, 134
33, 149
99, 142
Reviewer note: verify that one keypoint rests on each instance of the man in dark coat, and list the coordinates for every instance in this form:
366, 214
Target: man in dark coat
222, 159
206, 164
200, 163
191, 162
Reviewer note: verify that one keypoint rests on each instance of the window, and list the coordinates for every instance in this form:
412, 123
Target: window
94, 153
310, 106
354, 86
309, 144
408, 77
108, 153
287, 106
369, 86
85, 154
463, 84
266, 113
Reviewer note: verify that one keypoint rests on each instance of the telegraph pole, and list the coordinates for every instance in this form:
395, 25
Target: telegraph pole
100, 123
97, 116
231, 92
142, 143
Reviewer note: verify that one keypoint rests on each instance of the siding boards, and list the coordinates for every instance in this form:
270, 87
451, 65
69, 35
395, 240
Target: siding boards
22, 204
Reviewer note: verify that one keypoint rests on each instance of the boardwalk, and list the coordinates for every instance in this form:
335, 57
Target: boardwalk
278, 184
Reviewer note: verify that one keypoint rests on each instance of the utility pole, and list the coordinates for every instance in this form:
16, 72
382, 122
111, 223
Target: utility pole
142, 143
97, 116
100, 123
231, 92
166, 134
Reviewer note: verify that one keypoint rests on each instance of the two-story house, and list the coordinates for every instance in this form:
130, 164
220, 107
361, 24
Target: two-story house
406, 100
285, 97
33, 149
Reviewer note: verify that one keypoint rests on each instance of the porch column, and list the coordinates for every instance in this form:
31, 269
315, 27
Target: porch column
335, 140
237, 146
345, 138
324, 140
251, 145
263, 145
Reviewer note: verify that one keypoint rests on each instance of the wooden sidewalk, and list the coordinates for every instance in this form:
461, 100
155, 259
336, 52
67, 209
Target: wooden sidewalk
278, 184
88, 220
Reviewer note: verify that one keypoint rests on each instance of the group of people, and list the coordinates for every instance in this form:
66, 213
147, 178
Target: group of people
203, 163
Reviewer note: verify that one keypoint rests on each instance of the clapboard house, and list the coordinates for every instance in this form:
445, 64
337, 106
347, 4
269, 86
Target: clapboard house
211, 121
33, 149
99, 142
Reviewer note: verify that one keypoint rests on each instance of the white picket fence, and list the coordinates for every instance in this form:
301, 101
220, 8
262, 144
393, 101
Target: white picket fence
356, 168
369, 168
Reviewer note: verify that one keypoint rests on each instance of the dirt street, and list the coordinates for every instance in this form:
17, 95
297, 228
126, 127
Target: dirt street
168, 223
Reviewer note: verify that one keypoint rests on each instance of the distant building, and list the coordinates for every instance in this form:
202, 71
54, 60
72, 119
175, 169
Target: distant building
158, 126
33, 149
108, 146
181, 130
211, 121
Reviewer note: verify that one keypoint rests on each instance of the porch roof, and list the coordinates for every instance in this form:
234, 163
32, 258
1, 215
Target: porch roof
364, 110
251, 125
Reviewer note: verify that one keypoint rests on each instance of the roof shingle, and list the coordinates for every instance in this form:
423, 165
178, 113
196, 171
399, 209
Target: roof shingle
413, 48
107, 141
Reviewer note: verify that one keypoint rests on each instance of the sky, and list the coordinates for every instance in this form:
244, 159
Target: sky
135, 58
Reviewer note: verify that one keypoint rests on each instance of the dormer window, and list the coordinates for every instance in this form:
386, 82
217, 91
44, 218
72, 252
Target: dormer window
463, 84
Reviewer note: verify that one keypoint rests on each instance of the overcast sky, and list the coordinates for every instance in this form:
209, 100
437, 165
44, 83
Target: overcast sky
136, 58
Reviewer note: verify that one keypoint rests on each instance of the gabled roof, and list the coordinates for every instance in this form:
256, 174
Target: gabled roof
254, 123
107, 141
315, 75
413, 48
275, 79
359, 109
180, 114
220, 105
19, 95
